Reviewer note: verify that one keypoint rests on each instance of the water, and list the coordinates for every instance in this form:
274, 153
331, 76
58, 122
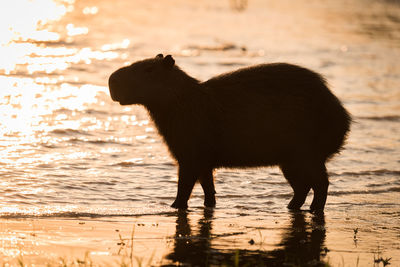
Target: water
68, 150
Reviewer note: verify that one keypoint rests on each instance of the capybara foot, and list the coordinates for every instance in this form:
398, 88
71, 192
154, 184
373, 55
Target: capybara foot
210, 203
295, 204
293, 207
316, 208
179, 205
317, 212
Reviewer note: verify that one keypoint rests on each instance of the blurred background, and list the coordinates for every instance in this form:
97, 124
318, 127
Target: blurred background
68, 150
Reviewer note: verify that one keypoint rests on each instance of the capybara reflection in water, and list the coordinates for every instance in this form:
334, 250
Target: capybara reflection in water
264, 115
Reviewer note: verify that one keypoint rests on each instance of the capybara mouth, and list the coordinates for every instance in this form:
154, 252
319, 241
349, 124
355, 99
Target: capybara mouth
112, 86
113, 96
124, 103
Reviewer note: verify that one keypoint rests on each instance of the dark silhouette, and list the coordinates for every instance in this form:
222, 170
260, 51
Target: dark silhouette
271, 114
302, 245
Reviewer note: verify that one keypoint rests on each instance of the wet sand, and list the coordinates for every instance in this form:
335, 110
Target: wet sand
104, 242
195, 238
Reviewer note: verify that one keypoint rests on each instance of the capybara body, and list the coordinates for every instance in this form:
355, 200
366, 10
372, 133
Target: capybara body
265, 115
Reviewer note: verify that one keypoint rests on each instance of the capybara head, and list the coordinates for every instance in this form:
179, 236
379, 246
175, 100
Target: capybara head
143, 81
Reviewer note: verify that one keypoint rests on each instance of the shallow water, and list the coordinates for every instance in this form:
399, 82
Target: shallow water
67, 150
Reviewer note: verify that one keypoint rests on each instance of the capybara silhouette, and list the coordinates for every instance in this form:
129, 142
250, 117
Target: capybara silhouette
264, 115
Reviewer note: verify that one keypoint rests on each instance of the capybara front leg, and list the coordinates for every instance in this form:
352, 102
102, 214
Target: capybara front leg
186, 182
207, 183
299, 197
296, 177
319, 185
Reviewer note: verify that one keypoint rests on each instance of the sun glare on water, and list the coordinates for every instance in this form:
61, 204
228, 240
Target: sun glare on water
28, 94
22, 21
39, 97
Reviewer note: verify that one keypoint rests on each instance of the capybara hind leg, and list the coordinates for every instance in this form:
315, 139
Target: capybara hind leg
186, 182
319, 185
207, 183
297, 178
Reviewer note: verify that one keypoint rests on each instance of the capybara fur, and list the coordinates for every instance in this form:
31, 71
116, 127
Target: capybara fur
264, 115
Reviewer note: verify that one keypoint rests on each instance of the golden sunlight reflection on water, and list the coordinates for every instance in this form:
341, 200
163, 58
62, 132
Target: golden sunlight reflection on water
27, 105
22, 24
23, 39
20, 20
24, 104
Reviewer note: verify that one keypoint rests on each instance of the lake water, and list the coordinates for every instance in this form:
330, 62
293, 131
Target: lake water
67, 150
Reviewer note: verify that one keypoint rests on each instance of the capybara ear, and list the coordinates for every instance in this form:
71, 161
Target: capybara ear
160, 56
169, 61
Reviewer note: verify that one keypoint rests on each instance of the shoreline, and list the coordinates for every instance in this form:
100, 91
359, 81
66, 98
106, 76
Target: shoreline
191, 237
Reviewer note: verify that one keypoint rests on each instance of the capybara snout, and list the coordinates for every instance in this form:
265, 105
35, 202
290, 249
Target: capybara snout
264, 115
130, 84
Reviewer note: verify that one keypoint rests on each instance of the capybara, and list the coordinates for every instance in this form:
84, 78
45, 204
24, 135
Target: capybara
264, 115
